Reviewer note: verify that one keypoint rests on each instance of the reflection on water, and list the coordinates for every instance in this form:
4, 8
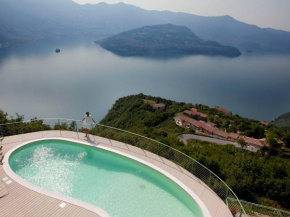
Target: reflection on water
36, 81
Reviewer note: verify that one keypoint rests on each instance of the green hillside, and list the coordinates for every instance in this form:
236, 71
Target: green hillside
257, 177
262, 177
164, 40
282, 121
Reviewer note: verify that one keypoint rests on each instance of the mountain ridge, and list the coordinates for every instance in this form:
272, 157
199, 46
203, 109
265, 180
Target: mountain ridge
164, 39
33, 21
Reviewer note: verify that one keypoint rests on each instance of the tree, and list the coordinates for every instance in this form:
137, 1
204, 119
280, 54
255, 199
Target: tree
242, 143
286, 140
271, 139
256, 131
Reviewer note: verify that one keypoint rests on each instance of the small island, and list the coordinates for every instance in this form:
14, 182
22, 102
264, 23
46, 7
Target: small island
57, 50
164, 40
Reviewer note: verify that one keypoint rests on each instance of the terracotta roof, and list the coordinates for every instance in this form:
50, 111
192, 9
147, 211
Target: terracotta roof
211, 124
222, 110
263, 141
253, 141
207, 128
194, 109
234, 136
204, 126
221, 133
188, 112
202, 115
191, 121
264, 123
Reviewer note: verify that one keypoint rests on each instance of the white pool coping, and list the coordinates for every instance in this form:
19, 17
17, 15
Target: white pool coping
83, 204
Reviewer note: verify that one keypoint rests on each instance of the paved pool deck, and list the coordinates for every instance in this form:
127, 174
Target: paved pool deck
18, 200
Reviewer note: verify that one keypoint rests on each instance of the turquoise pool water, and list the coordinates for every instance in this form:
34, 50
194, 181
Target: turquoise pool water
118, 185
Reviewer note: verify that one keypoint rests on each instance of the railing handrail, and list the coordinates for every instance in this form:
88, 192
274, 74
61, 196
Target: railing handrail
114, 128
39, 119
266, 207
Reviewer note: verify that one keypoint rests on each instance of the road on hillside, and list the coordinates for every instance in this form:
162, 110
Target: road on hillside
185, 137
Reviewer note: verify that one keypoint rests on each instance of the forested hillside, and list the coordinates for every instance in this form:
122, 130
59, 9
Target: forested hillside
164, 40
262, 177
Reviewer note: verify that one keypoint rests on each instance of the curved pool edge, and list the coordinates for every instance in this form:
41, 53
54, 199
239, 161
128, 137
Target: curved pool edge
83, 204
43, 191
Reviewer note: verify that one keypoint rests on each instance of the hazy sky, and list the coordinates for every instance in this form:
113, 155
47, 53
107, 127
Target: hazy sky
264, 13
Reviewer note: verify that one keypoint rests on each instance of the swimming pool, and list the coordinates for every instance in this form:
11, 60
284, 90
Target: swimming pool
116, 184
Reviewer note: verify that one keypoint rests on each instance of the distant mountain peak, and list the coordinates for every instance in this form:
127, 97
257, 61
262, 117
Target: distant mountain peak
24, 21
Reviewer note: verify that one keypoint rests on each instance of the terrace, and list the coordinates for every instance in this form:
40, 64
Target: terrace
16, 199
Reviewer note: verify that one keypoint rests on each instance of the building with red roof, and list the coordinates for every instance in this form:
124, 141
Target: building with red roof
223, 110
195, 114
194, 109
186, 121
203, 127
206, 128
221, 134
234, 136
264, 123
253, 141
213, 125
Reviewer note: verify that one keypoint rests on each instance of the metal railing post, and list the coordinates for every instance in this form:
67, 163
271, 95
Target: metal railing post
227, 193
158, 149
192, 167
174, 157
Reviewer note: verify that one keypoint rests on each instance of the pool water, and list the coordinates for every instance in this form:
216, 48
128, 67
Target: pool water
118, 185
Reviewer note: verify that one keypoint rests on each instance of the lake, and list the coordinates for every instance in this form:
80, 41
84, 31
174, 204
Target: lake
35, 81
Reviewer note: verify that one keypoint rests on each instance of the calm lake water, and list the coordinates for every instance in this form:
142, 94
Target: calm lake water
37, 82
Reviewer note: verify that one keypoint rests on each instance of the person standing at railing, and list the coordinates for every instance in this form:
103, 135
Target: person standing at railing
87, 120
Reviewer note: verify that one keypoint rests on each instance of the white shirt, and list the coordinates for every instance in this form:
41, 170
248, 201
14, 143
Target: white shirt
88, 119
